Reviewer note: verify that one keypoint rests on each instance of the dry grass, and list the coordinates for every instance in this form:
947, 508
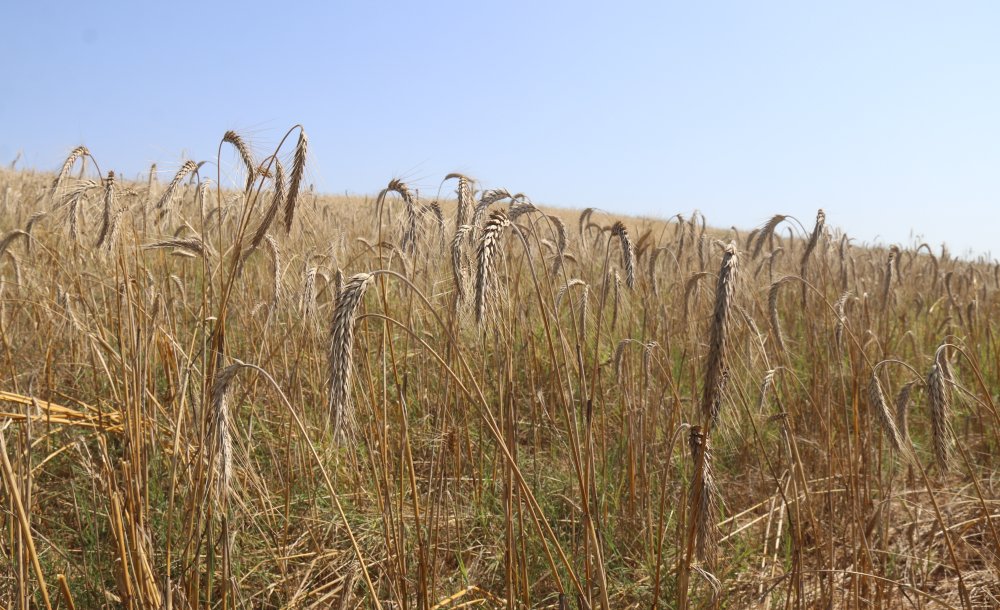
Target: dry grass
199, 411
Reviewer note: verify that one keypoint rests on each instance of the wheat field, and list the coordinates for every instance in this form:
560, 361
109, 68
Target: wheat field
252, 395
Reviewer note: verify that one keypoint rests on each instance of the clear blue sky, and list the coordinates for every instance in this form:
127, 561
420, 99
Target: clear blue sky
886, 114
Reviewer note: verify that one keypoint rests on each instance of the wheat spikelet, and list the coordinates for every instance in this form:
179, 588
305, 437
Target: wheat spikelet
298, 170
772, 311
109, 209
903, 411
194, 245
719, 333
618, 358
643, 243
584, 219
340, 351
178, 285
307, 305
838, 332
9, 238
876, 397
891, 273
465, 199
704, 499
275, 252
410, 230
433, 209
74, 218
765, 387
272, 209
457, 262
202, 195
689, 288
338, 285
616, 283
942, 436
628, 252
489, 249
231, 137
168, 194
221, 437
489, 198
561, 237
813, 239
113, 231
766, 232
67, 166
653, 281
566, 287
34, 219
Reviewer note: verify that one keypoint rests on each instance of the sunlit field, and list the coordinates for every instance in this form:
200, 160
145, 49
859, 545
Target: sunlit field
222, 389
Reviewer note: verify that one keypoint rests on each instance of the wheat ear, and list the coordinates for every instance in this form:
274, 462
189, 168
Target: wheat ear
231, 137
67, 166
298, 170
628, 252
168, 194
942, 435
489, 247
222, 437
719, 333
704, 499
876, 397
340, 351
